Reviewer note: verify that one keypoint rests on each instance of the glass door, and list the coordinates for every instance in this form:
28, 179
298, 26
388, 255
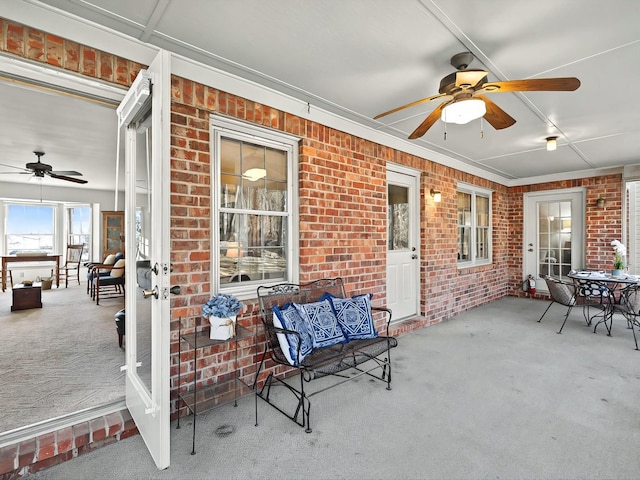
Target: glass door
147, 255
553, 234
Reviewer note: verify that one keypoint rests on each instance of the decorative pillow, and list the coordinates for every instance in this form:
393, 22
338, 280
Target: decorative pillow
322, 323
118, 269
354, 315
288, 317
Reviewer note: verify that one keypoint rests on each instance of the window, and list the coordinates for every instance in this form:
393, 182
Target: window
254, 175
79, 228
474, 225
29, 228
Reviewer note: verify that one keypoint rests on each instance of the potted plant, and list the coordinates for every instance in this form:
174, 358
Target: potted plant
222, 310
618, 260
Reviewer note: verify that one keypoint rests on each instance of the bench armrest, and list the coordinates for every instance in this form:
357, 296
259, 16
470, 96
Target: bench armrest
387, 312
271, 329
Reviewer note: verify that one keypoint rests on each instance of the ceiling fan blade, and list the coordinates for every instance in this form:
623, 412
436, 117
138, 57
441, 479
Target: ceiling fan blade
412, 104
469, 78
16, 173
18, 168
67, 172
567, 84
496, 116
64, 177
428, 122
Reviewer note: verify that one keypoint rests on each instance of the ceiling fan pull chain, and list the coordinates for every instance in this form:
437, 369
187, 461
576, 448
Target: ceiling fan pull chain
445, 131
481, 128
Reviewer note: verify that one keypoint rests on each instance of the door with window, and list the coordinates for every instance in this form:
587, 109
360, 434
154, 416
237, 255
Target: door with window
553, 233
403, 262
144, 114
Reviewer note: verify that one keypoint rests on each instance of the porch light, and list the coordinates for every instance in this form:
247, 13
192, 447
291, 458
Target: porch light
552, 143
436, 195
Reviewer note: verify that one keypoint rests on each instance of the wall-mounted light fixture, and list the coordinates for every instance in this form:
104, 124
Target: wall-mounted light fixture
600, 202
436, 195
552, 143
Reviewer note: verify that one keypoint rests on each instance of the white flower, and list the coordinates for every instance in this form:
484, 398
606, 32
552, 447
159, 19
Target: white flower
621, 253
619, 248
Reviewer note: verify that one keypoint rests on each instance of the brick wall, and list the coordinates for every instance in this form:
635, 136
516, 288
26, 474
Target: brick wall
342, 221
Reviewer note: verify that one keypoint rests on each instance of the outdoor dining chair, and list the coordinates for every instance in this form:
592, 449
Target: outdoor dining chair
562, 293
593, 294
629, 307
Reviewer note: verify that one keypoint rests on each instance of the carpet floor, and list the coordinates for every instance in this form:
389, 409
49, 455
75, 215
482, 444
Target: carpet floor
58, 359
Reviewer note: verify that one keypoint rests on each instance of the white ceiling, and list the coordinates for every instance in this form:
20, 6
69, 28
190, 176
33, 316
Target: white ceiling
74, 133
358, 58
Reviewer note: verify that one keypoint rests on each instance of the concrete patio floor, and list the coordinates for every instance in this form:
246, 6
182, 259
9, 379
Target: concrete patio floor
488, 394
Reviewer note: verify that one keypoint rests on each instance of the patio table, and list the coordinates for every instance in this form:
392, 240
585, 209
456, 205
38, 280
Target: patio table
609, 284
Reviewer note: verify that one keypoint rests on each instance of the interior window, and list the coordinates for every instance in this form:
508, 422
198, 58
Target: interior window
29, 228
474, 226
79, 229
253, 214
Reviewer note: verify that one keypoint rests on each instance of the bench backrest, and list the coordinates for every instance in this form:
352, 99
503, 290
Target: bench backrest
283, 293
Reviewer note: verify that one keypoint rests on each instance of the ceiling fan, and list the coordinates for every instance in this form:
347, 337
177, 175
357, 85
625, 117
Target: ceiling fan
39, 170
464, 92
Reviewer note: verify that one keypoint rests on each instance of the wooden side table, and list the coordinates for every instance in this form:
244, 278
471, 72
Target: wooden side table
25, 297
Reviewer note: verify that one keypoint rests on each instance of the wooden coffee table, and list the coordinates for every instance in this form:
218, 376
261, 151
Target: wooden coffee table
25, 297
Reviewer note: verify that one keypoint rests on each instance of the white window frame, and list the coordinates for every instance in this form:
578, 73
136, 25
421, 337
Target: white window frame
5, 209
223, 127
60, 222
87, 252
475, 192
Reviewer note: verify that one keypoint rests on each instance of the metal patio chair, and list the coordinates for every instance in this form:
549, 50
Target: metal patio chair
629, 307
562, 293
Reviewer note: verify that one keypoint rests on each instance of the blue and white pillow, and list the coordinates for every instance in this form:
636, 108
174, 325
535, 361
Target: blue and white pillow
322, 322
354, 315
288, 317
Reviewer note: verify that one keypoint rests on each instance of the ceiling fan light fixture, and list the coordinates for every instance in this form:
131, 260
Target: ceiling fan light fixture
255, 174
463, 111
552, 143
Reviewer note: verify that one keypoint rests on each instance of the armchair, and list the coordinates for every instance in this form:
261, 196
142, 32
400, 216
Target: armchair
100, 268
111, 284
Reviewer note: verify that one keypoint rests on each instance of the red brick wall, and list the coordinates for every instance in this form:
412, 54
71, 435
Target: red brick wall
38, 46
342, 216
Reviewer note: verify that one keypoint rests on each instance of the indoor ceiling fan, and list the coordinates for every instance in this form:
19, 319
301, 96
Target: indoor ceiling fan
39, 170
464, 92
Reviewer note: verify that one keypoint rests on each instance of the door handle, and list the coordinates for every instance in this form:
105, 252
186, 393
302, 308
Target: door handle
146, 293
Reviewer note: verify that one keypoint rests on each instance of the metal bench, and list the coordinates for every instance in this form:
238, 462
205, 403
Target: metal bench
344, 361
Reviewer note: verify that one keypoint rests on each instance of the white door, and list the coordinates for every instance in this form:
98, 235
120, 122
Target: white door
403, 260
553, 234
144, 113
